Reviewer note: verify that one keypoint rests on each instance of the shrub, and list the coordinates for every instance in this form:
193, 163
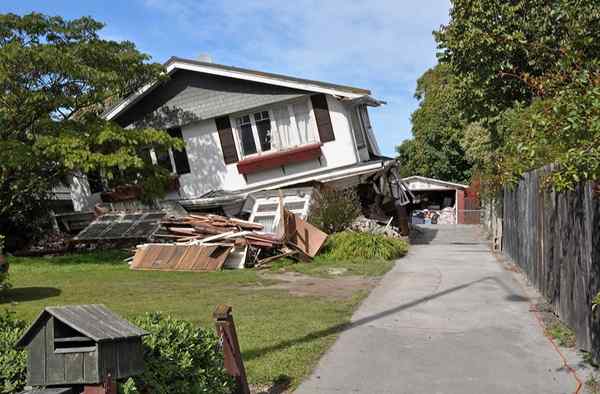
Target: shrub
13, 362
179, 358
3, 269
334, 210
350, 245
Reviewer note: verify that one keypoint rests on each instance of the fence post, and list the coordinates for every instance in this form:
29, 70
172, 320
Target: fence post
231, 347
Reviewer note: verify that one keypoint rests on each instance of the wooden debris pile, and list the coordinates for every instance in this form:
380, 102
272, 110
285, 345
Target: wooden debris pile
211, 242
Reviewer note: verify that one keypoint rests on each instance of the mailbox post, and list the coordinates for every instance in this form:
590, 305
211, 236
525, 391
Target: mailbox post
231, 347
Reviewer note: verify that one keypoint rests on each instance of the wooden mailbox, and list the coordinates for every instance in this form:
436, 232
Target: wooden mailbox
81, 345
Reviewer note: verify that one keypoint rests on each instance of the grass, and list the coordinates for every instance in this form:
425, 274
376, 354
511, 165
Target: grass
562, 334
280, 335
325, 267
350, 253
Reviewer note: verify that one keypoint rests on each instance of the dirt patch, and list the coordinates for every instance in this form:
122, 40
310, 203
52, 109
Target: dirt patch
298, 284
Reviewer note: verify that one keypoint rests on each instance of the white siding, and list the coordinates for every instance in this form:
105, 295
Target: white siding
209, 171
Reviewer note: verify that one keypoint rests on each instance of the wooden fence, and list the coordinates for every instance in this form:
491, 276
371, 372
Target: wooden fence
555, 238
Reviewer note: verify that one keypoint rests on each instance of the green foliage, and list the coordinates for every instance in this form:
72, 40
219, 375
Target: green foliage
58, 77
596, 301
13, 362
3, 275
334, 210
179, 358
592, 384
563, 335
528, 72
437, 126
350, 245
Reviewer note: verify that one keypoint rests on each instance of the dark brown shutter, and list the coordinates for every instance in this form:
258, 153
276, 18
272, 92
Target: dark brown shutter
182, 165
227, 142
319, 103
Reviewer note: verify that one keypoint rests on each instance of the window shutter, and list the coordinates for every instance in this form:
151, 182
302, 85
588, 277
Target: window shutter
319, 103
182, 165
227, 142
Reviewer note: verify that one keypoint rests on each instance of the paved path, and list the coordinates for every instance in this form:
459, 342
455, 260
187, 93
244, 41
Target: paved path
447, 319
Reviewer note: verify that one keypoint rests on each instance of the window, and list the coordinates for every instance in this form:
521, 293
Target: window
246, 135
282, 127
266, 209
263, 126
174, 161
180, 158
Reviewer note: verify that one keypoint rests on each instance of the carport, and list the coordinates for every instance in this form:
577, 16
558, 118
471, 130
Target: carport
435, 195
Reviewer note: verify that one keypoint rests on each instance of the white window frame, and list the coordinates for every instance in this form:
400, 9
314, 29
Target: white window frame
154, 159
237, 135
276, 212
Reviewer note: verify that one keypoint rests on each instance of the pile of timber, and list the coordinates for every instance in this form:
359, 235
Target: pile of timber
211, 242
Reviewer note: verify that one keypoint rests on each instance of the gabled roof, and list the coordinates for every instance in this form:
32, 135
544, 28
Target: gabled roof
176, 63
94, 321
439, 182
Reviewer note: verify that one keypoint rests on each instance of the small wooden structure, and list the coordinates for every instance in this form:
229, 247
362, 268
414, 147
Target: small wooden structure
81, 345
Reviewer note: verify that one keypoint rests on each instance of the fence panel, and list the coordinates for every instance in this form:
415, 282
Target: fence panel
555, 239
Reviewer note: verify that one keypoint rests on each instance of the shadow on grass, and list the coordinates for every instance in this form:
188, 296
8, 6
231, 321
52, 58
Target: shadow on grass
22, 294
338, 328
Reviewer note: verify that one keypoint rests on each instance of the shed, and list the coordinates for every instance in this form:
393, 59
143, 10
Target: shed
81, 344
437, 195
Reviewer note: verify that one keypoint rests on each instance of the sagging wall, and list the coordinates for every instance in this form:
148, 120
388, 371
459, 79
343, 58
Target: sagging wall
555, 238
209, 171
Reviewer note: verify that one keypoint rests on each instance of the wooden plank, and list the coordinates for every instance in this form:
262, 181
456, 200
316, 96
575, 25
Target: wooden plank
55, 363
36, 359
74, 372
91, 372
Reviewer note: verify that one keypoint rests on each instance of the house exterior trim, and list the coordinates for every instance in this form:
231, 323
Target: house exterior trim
276, 159
174, 64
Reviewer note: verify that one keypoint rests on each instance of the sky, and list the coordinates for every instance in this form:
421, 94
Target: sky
381, 45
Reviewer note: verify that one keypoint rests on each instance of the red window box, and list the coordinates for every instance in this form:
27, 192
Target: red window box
278, 159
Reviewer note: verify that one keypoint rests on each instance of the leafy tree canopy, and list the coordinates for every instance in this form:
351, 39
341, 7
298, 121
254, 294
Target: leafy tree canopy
528, 75
437, 125
57, 77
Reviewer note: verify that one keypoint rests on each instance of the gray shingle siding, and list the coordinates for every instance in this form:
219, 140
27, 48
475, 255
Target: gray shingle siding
190, 96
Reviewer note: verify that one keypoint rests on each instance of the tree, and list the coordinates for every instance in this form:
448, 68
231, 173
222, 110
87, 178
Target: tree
437, 125
528, 72
57, 77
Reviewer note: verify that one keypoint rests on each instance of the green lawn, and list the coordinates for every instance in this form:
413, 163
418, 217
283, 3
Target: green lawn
280, 334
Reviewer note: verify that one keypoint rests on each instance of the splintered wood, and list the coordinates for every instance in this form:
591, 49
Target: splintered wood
211, 242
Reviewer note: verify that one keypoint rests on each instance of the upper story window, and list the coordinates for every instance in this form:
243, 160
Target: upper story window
280, 127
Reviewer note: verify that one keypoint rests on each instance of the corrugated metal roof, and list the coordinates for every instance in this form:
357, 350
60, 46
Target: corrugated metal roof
94, 321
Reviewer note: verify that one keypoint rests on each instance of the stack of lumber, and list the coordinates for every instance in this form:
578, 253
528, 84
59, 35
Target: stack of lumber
194, 227
210, 242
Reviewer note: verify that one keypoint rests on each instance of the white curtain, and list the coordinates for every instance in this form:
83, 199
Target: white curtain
292, 126
285, 134
302, 116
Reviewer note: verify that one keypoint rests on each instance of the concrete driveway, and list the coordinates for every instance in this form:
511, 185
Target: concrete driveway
448, 318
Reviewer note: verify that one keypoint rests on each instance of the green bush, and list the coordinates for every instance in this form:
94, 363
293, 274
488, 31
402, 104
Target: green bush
3, 275
13, 362
334, 210
350, 245
179, 358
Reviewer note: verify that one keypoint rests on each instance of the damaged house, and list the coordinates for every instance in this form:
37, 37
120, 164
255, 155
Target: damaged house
249, 134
